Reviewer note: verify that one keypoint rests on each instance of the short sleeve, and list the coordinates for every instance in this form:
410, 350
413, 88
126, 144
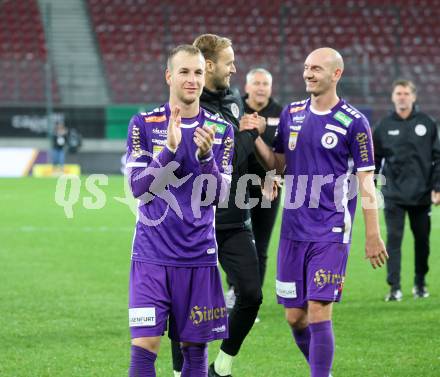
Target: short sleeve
361, 145
137, 146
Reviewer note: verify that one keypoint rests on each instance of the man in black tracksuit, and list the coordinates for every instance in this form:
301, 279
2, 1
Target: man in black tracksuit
236, 249
407, 152
258, 99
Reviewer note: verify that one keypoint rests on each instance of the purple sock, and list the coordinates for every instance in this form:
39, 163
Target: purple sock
142, 363
322, 348
302, 339
195, 361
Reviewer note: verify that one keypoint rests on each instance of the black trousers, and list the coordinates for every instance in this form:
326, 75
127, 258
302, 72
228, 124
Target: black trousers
420, 222
238, 258
263, 220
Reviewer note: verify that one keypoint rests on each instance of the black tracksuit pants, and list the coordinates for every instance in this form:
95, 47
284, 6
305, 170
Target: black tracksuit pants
420, 222
263, 220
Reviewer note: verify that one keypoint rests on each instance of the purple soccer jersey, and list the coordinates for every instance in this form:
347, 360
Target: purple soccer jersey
322, 151
175, 225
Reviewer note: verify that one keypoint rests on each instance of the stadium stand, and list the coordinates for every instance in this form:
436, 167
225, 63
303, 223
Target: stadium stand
22, 53
380, 40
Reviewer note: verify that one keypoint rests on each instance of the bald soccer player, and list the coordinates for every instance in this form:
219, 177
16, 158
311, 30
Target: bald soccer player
323, 145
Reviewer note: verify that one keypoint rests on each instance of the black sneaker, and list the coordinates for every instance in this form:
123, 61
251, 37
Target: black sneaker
420, 291
212, 373
394, 295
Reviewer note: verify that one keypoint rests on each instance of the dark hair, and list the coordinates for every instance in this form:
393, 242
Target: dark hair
210, 45
406, 84
189, 49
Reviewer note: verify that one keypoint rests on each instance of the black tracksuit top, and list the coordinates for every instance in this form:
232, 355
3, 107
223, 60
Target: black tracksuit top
229, 106
407, 152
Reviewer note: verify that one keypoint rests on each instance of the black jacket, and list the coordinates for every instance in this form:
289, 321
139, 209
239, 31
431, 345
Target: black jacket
272, 114
407, 152
229, 106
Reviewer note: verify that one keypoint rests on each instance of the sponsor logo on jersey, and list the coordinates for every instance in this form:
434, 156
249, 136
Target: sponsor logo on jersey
343, 118
393, 132
297, 108
295, 128
293, 137
362, 139
157, 149
323, 277
220, 128
420, 130
136, 142
158, 131
336, 129
203, 314
286, 289
155, 118
329, 140
159, 141
219, 329
273, 121
228, 144
298, 118
142, 317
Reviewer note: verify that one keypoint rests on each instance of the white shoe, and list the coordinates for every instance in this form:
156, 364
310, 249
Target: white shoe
394, 295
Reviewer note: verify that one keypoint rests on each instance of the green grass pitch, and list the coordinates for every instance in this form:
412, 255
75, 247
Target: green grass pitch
63, 299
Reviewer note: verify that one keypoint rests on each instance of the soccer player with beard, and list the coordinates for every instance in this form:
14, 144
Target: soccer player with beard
172, 151
236, 248
321, 142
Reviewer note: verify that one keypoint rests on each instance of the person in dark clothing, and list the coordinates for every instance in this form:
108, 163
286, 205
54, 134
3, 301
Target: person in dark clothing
236, 249
59, 143
258, 99
407, 153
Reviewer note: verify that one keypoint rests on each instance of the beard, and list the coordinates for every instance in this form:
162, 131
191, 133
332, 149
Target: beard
220, 83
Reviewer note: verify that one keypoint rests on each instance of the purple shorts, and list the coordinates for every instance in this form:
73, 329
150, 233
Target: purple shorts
190, 297
310, 271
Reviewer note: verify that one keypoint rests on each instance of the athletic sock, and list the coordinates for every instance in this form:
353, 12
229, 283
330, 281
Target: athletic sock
177, 374
223, 364
322, 347
302, 339
142, 362
195, 361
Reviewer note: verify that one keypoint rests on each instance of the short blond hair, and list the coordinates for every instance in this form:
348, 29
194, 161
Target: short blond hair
210, 45
189, 49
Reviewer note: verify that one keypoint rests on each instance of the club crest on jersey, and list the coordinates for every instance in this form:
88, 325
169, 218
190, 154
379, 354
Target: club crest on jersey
293, 137
329, 140
420, 130
235, 110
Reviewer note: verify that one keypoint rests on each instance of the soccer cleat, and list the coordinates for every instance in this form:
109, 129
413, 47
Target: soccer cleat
230, 299
420, 291
212, 372
394, 295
